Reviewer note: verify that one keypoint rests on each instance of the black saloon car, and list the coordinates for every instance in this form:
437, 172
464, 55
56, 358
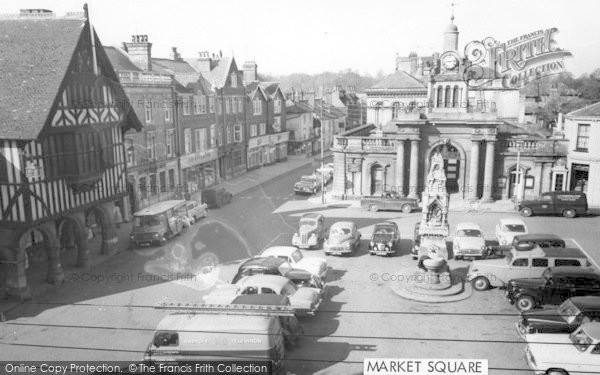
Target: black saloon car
385, 240
564, 319
554, 286
262, 266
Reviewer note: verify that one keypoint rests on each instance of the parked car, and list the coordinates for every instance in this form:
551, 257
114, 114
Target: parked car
309, 184
343, 238
325, 173
303, 278
526, 242
566, 203
389, 200
196, 210
577, 353
216, 198
314, 265
508, 228
311, 231
555, 285
564, 319
522, 264
185, 337
414, 250
468, 241
262, 266
291, 328
385, 240
304, 301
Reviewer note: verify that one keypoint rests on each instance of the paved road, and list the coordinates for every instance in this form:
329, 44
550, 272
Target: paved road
107, 312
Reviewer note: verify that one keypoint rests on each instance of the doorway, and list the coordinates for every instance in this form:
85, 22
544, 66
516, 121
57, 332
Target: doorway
452, 165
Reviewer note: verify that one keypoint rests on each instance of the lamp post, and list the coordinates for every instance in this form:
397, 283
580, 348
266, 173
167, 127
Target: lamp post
518, 181
322, 151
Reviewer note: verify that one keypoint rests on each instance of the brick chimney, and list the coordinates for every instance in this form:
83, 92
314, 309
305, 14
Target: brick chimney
204, 62
250, 71
175, 55
139, 51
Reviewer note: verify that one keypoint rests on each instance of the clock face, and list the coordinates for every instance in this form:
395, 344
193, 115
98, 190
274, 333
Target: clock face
450, 62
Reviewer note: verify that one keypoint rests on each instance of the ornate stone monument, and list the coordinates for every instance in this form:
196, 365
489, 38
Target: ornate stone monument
433, 281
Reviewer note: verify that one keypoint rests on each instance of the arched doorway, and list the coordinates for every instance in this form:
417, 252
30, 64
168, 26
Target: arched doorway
73, 239
377, 174
94, 223
514, 187
33, 245
452, 165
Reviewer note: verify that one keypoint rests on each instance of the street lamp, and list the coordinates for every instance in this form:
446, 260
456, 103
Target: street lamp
518, 176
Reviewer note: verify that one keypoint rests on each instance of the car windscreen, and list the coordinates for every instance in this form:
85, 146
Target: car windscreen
469, 233
308, 222
288, 289
296, 256
580, 340
148, 220
568, 311
514, 228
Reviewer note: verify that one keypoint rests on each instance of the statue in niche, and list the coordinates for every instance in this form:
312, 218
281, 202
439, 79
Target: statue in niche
436, 180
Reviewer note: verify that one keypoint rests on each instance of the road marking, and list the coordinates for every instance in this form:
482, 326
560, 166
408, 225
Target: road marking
273, 240
585, 252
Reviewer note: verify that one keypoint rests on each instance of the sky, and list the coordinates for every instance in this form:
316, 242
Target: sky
313, 36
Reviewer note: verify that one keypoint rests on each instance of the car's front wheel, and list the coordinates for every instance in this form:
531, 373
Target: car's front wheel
556, 371
525, 303
481, 283
526, 211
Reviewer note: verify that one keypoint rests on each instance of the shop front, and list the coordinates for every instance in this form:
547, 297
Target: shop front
199, 170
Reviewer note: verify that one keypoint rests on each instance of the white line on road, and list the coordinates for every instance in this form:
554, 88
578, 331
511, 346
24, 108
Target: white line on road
585, 252
273, 240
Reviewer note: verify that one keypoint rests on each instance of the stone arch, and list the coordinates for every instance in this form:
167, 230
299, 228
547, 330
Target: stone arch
510, 173
103, 215
462, 159
72, 234
369, 174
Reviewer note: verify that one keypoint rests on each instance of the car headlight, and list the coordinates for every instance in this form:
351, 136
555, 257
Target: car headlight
372, 243
312, 235
483, 247
347, 244
457, 245
503, 242
390, 243
295, 235
156, 235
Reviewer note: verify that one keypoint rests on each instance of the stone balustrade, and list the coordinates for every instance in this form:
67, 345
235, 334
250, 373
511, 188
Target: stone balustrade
558, 147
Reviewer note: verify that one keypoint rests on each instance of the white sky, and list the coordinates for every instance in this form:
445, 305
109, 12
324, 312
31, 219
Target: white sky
313, 36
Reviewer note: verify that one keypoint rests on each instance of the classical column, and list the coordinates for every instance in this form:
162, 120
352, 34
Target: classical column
488, 176
365, 180
400, 168
414, 168
473, 171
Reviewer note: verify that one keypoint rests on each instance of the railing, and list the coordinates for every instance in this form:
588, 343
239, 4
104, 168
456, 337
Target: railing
558, 147
365, 144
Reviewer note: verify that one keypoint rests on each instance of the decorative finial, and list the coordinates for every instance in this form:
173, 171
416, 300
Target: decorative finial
452, 16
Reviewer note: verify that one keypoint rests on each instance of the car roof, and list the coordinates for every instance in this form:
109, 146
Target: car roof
159, 207
278, 250
265, 280
592, 329
213, 322
511, 220
573, 270
342, 224
563, 252
263, 262
586, 302
537, 236
298, 274
385, 224
462, 226
311, 215
261, 299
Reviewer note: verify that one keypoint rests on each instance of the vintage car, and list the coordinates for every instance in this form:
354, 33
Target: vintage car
343, 238
468, 241
389, 200
497, 272
217, 197
292, 330
314, 265
309, 184
325, 173
262, 266
304, 301
564, 319
576, 353
303, 278
566, 203
196, 210
311, 231
555, 285
526, 242
507, 229
385, 240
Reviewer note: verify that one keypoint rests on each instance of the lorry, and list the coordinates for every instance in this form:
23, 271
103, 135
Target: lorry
389, 200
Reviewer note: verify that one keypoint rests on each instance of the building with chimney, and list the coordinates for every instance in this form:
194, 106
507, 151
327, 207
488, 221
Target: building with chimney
301, 125
428, 106
266, 129
152, 155
63, 115
226, 80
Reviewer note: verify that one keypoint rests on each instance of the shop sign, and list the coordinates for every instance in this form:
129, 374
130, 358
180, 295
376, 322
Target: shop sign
198, 158
516, 62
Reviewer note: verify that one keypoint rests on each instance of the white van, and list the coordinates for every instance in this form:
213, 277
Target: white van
199, 337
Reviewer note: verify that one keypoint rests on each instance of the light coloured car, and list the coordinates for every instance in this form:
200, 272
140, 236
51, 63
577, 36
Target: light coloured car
312, 264
311, 231
468, 241
196, 210
304, 301
508, 228
576, 353
325, 173
343, 238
